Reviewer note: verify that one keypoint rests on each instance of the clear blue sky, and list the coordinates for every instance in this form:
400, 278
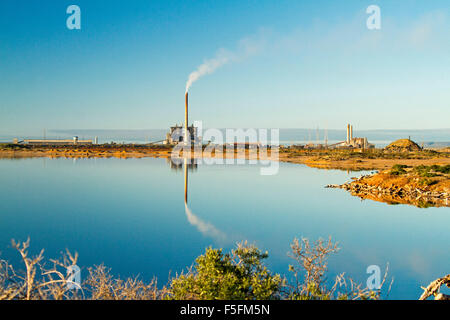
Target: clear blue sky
314, 63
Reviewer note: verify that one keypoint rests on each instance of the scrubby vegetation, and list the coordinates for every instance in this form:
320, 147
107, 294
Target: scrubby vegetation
310, 275
421, 171
11, 146
432, 171
240, 274
348, 154
398, 169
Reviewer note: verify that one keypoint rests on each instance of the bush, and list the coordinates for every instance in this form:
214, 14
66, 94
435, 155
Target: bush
430, 171
398, 169
443, 169
311, 268
240, 275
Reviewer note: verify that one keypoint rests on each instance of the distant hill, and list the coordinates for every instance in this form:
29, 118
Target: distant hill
403, 145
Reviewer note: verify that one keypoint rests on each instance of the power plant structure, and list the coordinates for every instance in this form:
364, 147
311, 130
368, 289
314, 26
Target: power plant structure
183, 134
349, 143
177, 133
54, 142
355, 143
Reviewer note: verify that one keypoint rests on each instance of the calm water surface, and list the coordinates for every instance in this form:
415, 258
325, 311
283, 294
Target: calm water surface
130, 215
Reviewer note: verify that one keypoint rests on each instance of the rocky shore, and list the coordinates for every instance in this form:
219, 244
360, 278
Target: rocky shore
392, 189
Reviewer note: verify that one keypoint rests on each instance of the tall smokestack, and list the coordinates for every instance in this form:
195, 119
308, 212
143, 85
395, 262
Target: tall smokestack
348, 133
351, 132
186, 130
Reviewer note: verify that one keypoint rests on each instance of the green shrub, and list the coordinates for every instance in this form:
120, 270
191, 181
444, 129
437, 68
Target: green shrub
430, 171
443, 169
240, 275
398, 169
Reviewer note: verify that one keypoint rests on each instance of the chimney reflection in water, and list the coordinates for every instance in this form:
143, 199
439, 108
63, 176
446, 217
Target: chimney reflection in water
206, 228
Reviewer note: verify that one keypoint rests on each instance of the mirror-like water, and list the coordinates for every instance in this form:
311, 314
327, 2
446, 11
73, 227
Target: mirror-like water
131, 216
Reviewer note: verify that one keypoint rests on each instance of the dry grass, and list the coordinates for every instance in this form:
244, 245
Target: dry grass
434, 288
102, 286
309, 275
39, 282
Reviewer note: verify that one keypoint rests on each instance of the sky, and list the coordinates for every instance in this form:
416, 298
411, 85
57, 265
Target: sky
290, 64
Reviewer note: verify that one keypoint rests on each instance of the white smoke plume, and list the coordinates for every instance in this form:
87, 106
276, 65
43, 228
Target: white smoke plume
246, 47
206, 228
208, 67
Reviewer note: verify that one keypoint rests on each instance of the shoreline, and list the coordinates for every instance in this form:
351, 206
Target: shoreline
420, 186
380, 186
350, 160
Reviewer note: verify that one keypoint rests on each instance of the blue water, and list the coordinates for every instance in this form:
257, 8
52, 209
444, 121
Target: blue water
130, 215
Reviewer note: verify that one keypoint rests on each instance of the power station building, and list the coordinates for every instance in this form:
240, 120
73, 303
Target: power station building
56, 142
356, 143
177, 133
182, 134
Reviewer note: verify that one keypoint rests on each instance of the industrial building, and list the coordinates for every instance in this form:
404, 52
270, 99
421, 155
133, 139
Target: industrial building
55, 142
349, 143
177, 133
356, 143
